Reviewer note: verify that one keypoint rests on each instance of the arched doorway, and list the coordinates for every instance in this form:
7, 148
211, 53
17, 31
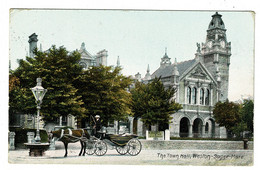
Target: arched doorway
184, 127
197, 127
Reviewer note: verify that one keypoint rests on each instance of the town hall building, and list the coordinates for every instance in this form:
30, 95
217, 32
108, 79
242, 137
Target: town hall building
200, 82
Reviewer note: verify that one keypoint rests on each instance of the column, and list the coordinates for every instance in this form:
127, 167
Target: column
139, 127
131, 121
190, 131
203, 131
198, 96
60, 123
11, 140
204, 97
211, 96
116, 127
178, 94
185, 94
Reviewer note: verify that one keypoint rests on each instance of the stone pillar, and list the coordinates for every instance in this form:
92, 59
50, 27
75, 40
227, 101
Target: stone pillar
30, 137
60, 123
198, 96
211, 97
190, 131
167, 134
11, 140
116, 127
203, 131
217, 131
131, 121
204, 97
139, 127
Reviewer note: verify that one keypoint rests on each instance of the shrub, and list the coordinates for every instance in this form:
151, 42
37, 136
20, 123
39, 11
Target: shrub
21, 135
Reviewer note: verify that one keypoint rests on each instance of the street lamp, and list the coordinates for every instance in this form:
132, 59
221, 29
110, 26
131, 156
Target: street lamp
38, 92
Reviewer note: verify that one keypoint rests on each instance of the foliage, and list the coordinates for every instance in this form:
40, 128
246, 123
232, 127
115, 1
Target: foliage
16, 95
227, 114
235, 117
58, 69
153, 103
21, 135
247, 114
103, 90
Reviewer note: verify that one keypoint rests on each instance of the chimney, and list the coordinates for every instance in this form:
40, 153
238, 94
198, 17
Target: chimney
32, 43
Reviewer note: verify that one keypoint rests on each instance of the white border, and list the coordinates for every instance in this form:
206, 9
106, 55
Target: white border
5, 5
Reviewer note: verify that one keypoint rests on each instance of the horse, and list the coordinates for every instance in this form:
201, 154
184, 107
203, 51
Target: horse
71, 136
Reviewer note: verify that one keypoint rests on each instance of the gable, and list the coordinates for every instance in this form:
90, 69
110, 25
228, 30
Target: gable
198, 71
86, 55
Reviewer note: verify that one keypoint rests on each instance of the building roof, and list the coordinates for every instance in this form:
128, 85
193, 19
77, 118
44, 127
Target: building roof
168, 70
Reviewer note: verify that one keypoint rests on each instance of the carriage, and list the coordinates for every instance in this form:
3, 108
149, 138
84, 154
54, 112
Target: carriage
123, 143
91, 144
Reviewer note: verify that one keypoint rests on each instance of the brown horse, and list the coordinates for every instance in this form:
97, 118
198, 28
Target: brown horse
71, 136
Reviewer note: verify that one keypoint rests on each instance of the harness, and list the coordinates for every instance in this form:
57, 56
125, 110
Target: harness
70, 137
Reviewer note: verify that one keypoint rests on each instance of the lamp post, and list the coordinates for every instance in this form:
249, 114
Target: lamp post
38, 92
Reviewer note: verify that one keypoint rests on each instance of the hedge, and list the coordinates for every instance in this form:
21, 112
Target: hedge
21, 135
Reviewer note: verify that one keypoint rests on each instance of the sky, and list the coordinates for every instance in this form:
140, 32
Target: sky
138, 37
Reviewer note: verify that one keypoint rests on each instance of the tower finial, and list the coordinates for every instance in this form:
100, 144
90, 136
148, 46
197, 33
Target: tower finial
148, 69
118, 61
165, 50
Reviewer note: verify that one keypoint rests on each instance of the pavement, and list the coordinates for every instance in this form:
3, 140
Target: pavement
146, 157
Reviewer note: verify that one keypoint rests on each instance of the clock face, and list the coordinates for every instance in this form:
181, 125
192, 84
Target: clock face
209, 44
222, 43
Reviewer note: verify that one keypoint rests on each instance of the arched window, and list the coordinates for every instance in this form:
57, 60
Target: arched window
202, 96
189, 95
207, 97
194, 95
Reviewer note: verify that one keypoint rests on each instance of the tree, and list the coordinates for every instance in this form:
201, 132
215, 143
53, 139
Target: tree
104, 92
227, 114
247, 114
58, 69
153, 103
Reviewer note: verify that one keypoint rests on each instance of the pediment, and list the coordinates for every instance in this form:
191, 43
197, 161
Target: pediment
86, 55
199, 71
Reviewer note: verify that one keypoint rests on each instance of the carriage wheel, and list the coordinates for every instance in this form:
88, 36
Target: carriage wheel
101, 148
135, 147
90, 148
122, 150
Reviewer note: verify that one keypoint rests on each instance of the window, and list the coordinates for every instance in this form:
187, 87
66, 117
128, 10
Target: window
194, 95
202, 96
207, 97
189, 95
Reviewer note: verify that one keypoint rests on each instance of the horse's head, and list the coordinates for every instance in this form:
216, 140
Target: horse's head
54, 135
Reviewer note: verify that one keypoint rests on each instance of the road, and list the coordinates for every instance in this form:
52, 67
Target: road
146, 157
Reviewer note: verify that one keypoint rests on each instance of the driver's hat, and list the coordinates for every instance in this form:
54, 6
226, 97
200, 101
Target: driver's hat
97, 116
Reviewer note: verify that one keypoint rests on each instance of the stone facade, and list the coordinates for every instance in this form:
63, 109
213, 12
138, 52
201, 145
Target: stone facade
200, 82
88, 60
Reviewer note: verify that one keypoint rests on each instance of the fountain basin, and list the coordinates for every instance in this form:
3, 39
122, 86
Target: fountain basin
37, 149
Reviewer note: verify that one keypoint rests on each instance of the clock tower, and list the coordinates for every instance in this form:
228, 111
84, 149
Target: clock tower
216, 54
